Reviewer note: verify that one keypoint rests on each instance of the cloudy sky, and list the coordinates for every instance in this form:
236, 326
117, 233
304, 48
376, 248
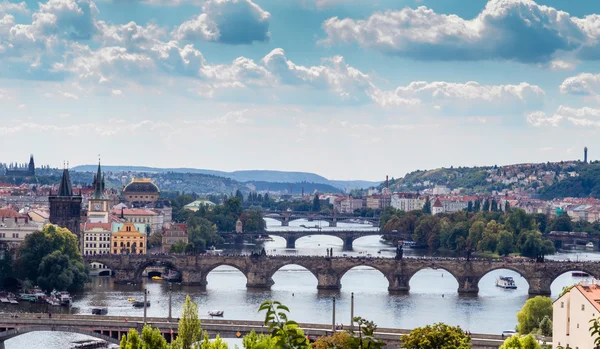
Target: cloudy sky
349, 89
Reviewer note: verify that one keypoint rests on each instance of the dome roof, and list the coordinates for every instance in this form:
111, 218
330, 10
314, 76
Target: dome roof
141, 186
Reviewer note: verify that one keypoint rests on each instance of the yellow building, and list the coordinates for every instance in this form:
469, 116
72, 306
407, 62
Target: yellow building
128, 238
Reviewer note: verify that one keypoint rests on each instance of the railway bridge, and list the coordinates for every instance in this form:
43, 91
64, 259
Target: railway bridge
329, 271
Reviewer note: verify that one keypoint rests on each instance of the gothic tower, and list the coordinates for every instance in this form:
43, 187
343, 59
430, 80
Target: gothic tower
65, 207
98, 203
31, 166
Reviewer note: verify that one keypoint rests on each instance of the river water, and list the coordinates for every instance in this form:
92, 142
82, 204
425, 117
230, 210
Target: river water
432, 298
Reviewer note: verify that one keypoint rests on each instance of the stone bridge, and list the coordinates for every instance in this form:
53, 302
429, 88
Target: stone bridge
286, 216
112, 328
329, 271
347, 236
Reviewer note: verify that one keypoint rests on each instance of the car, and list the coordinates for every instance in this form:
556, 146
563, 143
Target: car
508, 333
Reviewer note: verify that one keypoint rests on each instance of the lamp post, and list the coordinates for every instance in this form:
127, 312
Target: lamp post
170, 298
145, 303
333, 316
352, 312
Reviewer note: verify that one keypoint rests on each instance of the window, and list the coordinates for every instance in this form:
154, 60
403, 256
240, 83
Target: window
115, 244
562, 304
577, 325
583, 307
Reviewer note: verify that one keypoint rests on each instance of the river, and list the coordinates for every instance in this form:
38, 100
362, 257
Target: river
433, 295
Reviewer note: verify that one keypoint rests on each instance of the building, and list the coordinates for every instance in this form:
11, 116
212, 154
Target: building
374, 202
174, 233
14, 227
128, 238
96, 238
441, 190
454, 205
407, 202
348, 205
141, 191
437, 207
195, 206
98, 203
571, 314
65, 207
151, 219
22, 170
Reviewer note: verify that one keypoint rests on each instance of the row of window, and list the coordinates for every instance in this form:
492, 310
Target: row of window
14, 235
95, 238
123, 251
128, 245
97, 245
88, 253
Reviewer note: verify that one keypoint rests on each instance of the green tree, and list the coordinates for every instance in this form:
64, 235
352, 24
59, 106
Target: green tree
217, 343
427, 206
486, 205
189, 329
506, 206
470, 206
316, 204
476, 233
239, 195
42, 244
252, 221
562, 222
155, 239
477, 206
517, 342
285, 332
428, 226
534, 245
546, 326
150, 339
131, 341
518, 220
253, 341
532, 314
57, 271
489, 240
438, 336
505, 243
494, 206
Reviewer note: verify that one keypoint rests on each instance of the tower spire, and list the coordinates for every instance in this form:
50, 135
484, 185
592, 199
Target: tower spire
65, 189
99, 183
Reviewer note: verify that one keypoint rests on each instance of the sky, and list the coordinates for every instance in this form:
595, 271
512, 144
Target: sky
349, 89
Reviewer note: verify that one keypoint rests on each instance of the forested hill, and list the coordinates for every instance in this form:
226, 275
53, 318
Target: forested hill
283, 177
550, 180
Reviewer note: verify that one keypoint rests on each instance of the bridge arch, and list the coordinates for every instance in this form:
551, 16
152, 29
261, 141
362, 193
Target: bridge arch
511, 267
371, 266
9, 334
575, 268
433, 267
210, 268
314, 279
154, 262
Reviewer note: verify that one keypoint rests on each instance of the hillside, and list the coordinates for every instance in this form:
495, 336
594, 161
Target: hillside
241, 176
549, 180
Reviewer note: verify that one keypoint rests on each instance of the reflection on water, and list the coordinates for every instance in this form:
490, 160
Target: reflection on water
433, 295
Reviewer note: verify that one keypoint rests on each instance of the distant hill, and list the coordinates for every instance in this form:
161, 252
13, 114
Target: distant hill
242, 176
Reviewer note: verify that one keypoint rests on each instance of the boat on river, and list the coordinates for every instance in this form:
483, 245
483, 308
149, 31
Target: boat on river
506, 282
589, 245
99, 311
140, 304
213, 250
216, 313
157, 278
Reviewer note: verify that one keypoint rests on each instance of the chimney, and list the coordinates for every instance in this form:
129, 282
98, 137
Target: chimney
122, 212
387, 182
585, 155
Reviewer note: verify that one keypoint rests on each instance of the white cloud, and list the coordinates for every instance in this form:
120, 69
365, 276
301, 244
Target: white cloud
558, 64
519, 30
227, 21
20, 7
584, 116
582, 84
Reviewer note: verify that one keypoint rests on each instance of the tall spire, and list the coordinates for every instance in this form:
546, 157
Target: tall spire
65, 188
99, 184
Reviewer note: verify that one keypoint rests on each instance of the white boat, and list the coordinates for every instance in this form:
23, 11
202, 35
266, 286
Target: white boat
589, 245
215, 313
506, 282
214, 250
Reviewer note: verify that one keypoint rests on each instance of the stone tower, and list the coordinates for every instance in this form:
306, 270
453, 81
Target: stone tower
31, 168
65, 207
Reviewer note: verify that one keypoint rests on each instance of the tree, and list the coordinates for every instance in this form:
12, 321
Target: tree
189, 329
427, 206
524, 342
57, 271
505, 243
155, 239
518, 220
534, 246
131, 341
546, 326
428, 225
254, 341
489, 240
506, 206
476, 233
562, 222
486, 205
470, 206
477, 206
494, 206
532, 314
252, 221
316, 204
286, 333
339, 340
150, 339
438, 336
239, 195
41, 244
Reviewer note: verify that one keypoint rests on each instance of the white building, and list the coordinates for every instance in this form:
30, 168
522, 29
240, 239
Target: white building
407, 203
571, 315
348, 205
145, 216
14, 227
441, 190
96, 238
437, 207
454, 205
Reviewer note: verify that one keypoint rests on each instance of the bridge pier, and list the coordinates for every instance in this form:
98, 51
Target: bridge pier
2, 345
290, 242
124, 276
468, 284
259, 279
193, 278
347, 243
399, 283
539, 286
333, 223
328, 281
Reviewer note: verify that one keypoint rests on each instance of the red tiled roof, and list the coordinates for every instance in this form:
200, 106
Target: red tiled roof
104, 226
8, 213
437, 203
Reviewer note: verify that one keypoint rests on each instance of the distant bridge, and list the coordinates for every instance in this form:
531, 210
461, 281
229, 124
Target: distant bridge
113, 328
286, 216
347, 236
329, 271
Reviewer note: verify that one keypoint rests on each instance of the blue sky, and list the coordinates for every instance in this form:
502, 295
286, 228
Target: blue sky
350, 89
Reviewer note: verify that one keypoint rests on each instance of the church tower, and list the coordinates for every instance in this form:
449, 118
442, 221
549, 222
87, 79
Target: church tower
31, 168
65, 207
98, 203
